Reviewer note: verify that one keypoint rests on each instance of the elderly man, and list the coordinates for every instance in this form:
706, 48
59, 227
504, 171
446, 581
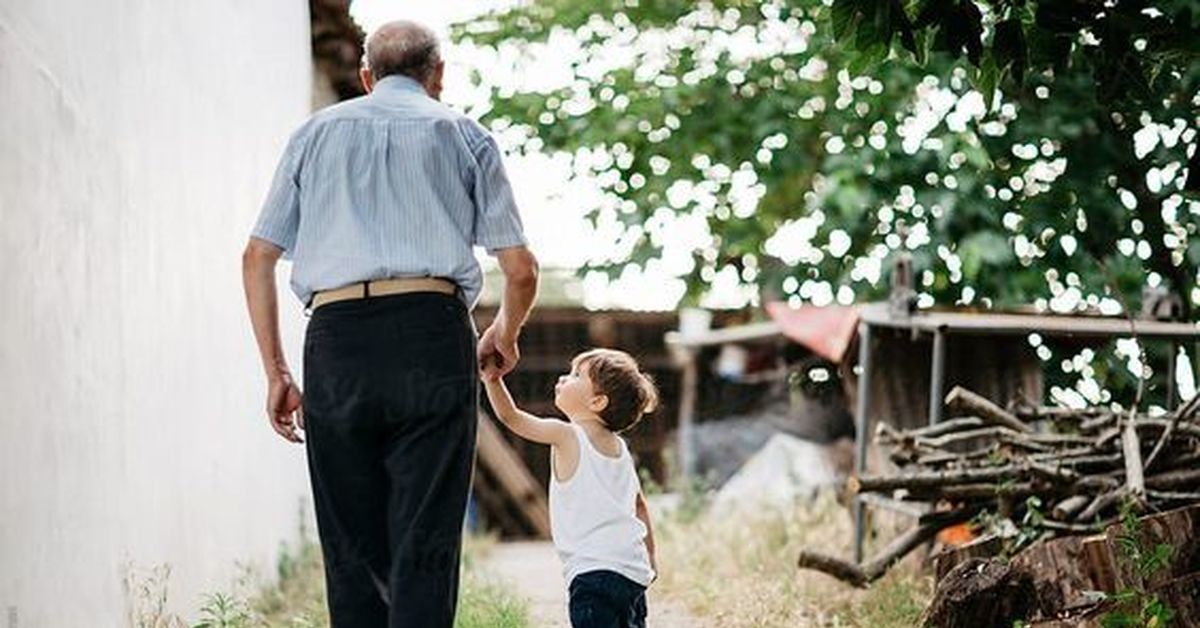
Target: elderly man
378, 202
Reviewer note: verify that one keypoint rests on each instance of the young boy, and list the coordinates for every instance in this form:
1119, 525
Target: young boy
598, 515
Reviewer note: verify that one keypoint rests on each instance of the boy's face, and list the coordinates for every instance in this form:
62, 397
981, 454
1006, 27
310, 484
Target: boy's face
574, 392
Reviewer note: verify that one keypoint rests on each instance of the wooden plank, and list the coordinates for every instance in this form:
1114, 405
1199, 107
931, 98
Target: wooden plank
768, 330
496, 512
993, 323
513, 477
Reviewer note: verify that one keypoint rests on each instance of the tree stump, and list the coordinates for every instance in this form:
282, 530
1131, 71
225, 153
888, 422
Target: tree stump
1179, 528
950, 557
981, 593
1062, 573
1183, 596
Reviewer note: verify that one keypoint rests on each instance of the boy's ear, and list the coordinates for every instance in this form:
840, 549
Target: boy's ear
598, 403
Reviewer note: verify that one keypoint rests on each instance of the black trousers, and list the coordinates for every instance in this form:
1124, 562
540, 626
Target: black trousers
390, 397
606, 599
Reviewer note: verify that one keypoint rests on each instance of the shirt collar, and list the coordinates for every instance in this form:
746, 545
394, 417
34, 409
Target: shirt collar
394, 83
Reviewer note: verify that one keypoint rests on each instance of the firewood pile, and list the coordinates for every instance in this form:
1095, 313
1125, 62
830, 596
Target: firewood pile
1052, 475
1081, 465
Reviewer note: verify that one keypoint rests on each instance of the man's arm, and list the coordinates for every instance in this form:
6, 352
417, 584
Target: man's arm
284, 401
524, 424
498, 352
643, 513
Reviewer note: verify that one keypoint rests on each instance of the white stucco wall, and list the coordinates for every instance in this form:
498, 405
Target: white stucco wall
137, 138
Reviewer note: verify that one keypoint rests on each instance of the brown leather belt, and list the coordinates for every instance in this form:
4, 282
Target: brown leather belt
383, 287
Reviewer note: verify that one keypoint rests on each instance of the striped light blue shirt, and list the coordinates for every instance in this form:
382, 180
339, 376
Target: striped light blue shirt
391, 184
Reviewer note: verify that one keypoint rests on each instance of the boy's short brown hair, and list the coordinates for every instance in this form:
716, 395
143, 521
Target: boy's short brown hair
616, 375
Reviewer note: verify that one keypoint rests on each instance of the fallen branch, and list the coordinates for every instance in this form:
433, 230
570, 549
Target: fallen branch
872, 570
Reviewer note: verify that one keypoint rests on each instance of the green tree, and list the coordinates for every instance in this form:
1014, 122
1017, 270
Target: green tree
814, 149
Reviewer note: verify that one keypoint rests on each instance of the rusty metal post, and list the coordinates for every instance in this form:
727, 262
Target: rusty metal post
937, 377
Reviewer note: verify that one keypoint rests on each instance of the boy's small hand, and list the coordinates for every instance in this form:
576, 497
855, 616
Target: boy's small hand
491, 375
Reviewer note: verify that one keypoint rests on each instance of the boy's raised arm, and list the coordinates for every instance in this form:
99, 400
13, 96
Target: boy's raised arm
525, 425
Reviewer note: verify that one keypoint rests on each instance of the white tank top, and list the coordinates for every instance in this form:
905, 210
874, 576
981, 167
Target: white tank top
593, 518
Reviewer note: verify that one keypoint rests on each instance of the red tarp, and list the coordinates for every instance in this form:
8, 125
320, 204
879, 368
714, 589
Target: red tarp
826, 331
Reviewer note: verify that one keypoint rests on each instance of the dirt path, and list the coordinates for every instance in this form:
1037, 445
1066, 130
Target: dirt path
533, 568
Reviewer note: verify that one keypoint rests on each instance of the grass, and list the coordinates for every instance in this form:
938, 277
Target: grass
295, 596
733, 569
738, 569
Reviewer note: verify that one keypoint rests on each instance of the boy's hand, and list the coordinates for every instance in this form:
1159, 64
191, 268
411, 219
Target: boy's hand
490, 376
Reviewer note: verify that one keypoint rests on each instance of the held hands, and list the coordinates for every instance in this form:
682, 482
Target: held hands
285, 407
498, 353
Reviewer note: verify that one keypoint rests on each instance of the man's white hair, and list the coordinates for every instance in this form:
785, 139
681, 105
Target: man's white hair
402, 47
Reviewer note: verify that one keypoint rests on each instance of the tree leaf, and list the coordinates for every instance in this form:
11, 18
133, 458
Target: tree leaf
1009, 49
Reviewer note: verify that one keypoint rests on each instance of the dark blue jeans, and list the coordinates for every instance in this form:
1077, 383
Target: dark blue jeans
390, 398
606, 599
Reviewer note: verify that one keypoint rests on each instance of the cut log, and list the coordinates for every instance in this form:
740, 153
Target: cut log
1182, 414
1100, 503
1135, 483
1066, 509
971, 492
1178, 479
929, 479
966, 402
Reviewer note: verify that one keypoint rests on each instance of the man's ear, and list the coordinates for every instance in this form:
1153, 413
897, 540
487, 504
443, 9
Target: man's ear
598, 403
434, 85
368, 81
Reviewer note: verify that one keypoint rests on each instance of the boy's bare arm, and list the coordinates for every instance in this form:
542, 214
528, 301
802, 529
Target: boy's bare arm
643, 513
524, 424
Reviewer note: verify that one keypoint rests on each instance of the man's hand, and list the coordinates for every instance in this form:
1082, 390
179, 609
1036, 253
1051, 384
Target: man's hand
285, 408
498, 353
284, 401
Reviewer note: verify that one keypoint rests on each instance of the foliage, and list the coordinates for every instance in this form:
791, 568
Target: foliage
224, 611
1141, 48
811, 152
295, 596
1136, 607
